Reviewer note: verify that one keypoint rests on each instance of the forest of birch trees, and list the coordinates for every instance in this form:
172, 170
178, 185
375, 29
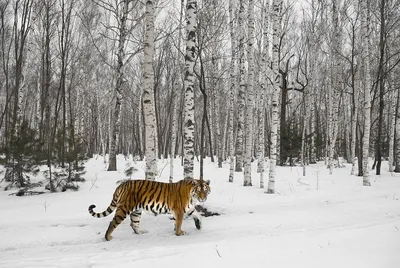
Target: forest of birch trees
271, 82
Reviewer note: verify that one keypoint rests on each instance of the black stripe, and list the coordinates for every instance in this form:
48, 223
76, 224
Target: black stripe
139, 187
157, 194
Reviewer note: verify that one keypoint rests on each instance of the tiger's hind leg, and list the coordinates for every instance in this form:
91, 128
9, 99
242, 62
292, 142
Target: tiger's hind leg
120, 215
135, 221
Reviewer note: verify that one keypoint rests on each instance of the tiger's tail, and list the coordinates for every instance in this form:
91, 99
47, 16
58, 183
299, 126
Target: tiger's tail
106, 212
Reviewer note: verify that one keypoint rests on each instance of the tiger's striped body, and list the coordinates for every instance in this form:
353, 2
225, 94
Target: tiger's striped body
133, 196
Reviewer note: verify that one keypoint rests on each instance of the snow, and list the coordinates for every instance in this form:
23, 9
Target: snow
340, 224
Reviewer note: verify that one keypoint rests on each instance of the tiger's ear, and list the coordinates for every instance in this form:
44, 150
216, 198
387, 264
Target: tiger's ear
207, 182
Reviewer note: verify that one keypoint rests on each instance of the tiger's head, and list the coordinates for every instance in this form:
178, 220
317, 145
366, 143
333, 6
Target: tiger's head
200, 190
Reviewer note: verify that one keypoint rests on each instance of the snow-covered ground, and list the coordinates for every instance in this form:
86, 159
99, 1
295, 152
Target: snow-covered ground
340, 224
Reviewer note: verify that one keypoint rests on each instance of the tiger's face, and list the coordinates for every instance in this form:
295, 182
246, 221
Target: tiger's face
201, 190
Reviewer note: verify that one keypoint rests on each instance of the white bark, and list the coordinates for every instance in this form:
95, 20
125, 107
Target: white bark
365, 27
100, 126
263, 83
173, 130
21, 95
233, 87
148, 95
304, 132
38, 105
250, 97
333, 93
392, 122
313, 87
191, 25
242, 87
397, 126
354, 116
276, 89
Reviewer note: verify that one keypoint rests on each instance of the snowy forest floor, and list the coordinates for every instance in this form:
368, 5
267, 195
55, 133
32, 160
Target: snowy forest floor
340, 224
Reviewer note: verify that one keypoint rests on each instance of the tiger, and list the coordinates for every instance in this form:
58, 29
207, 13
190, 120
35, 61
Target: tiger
133, 196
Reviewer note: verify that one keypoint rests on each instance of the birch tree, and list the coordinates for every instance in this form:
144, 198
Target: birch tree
250, 98
276, 20
392, 123
354, 84
233, 86
120, 83
333, 96
397, 126
242, 86
190, 58
365, 36
263, 84
148, 95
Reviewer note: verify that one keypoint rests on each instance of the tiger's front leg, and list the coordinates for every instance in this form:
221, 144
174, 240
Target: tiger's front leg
178, 223
196, 217
135, 221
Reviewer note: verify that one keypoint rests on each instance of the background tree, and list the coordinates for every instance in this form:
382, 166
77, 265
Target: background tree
191, 9
148, 95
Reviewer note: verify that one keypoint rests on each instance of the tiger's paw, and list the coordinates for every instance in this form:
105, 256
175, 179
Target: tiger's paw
108, 238
181, 233
140, 231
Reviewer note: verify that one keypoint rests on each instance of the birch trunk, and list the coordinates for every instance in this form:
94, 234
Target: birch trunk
397, 126
120, 83
242, 87
304, 132
233, 86
191, 25
276, 88
38, 106
365, 22
173, 128
263, 80
250, 97
148, 95
334, 96
217, 120
392, 123
100, 127
354, 116
313, 87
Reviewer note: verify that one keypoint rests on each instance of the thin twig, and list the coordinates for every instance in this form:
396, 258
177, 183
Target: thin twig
217, 251
93, 183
